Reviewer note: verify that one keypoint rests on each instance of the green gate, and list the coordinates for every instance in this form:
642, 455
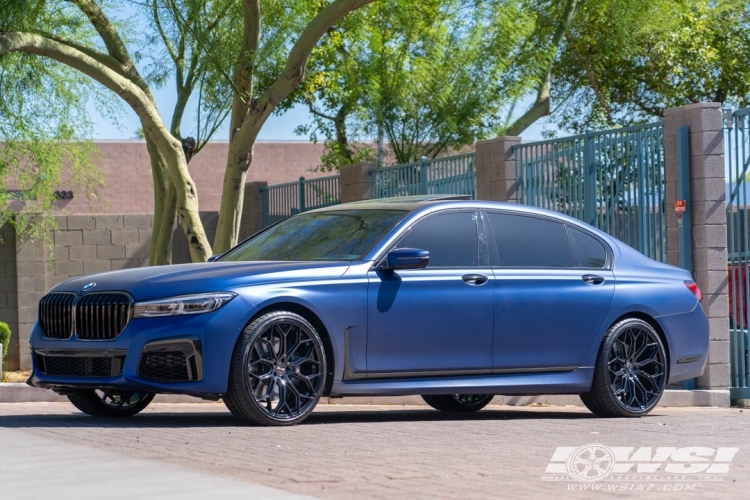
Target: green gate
613, 180
448, 175
737, 153
281, 201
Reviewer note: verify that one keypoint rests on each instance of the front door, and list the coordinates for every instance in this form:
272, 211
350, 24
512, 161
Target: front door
438, 320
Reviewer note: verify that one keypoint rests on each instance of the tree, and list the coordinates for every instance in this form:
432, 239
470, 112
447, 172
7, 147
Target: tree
254, 99
428, 76
634, 60
432, 76
40, 100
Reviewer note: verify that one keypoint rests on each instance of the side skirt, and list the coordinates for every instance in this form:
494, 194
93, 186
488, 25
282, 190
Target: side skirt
570, 382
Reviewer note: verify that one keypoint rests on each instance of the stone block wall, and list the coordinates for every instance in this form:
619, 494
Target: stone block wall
80, 245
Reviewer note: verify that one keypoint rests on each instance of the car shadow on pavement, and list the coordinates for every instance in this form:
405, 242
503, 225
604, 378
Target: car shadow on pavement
154, 419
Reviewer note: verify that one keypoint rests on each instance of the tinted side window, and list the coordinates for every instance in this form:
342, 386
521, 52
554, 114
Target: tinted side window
450, 238
530, 242
588, 251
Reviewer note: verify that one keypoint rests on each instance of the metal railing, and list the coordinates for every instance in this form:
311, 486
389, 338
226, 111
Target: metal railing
284, 200
613, 179
448, 175
737, 154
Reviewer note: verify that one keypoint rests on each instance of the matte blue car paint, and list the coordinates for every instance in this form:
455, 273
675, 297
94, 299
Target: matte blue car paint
560, 330
337, 293
440, 322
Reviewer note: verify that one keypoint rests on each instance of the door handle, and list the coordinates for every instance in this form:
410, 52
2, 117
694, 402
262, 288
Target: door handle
592, 279
475, 279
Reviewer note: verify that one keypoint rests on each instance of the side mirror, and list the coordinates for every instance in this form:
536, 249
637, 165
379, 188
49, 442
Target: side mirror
406, 258
215, 257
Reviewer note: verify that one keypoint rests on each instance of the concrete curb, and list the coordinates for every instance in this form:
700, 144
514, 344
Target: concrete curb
22, 393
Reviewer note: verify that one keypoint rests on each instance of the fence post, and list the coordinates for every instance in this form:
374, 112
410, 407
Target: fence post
708, 244
423, 174
495, 166
301, 194
589, 179
356, 181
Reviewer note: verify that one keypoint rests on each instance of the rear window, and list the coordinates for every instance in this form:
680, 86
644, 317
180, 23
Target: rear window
524, 241
588, 251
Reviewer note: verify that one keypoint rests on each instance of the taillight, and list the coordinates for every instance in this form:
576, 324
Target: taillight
694, 288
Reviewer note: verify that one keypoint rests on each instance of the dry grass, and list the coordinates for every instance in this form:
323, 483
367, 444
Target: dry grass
16, 376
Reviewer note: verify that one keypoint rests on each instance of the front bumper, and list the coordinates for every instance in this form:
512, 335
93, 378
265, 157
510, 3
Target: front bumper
178, 354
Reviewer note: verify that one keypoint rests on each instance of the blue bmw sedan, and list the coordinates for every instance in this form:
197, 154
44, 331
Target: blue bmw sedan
454, 300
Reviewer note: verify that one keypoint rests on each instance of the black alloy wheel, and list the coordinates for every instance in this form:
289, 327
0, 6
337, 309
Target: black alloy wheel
111, 404
278, 370
458, 403
630, 373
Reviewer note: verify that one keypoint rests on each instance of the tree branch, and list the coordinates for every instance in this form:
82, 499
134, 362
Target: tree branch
245, 68
295, 67
107, 31
541, 106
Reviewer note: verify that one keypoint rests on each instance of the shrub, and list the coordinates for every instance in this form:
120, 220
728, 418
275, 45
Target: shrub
4, 337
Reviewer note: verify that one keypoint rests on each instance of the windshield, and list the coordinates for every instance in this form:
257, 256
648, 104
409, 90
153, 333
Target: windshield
335, 235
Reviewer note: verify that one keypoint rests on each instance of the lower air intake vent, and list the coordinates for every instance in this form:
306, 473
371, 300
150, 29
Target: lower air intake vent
165, 366
70, 366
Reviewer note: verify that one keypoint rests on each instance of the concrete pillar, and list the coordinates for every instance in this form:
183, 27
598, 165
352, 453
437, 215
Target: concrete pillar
356, 181
8, 294
496, 169
709, 224
252, 210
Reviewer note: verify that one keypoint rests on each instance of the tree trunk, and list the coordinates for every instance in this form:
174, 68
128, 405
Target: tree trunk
158, 254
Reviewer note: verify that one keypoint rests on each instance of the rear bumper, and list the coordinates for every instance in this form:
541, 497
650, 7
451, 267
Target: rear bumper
688, 340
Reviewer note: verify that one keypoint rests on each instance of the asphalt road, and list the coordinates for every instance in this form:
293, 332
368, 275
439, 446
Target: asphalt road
344, 452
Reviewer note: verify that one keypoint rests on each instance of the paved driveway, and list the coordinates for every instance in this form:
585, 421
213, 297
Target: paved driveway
344, 452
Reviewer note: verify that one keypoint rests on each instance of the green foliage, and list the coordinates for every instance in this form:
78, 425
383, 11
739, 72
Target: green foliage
627, 61
432, 76
43, 120
4, 337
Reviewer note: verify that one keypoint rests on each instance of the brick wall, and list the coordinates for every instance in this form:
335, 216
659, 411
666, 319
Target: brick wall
8, 295
128, 189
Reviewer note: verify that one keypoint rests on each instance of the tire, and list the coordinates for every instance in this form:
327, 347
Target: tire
630, 372
278, 370
104, 404
458, 403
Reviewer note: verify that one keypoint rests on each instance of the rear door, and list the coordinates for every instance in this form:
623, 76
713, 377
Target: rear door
553, 287
438, 320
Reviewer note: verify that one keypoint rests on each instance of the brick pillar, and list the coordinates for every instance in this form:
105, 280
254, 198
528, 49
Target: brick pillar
32, 266
709, 224
356, 181
496, 169
252, 210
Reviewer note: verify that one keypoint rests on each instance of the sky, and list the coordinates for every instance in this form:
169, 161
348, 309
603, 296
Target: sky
277, 128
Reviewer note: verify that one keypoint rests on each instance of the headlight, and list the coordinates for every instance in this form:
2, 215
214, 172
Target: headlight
186, 304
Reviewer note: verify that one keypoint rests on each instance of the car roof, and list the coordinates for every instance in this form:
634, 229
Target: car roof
429, 203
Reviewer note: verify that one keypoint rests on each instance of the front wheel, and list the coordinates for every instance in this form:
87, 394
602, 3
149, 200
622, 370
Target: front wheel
458, 403
630, 372
111, 404
278, 370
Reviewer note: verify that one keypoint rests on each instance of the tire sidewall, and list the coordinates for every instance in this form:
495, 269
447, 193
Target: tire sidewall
603, 370
239, 379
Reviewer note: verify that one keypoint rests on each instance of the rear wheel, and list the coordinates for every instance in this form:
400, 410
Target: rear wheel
458, 403
111, 404
278, 370
630, 372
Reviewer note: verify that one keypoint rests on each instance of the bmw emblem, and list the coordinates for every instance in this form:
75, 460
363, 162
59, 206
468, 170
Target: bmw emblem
88, 286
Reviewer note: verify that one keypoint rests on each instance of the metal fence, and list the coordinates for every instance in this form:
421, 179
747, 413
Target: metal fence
284, 200
613, 180
737, 154
449, 175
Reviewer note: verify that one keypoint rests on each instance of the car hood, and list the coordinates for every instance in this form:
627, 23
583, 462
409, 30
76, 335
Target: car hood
155, 282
